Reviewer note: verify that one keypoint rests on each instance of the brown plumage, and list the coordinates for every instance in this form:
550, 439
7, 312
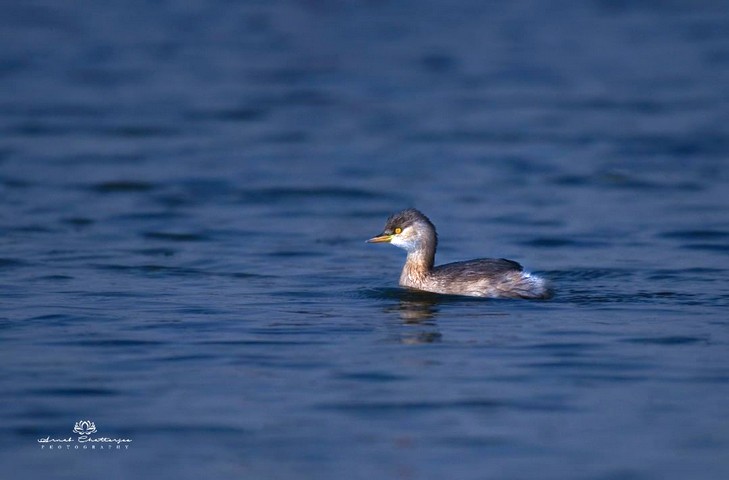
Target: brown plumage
484, 277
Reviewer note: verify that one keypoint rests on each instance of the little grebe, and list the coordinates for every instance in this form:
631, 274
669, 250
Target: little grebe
484, 277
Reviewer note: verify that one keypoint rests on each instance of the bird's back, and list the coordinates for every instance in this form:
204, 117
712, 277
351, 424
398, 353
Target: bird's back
477, 269
486, 277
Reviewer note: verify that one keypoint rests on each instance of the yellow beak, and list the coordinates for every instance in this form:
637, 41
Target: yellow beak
380, 239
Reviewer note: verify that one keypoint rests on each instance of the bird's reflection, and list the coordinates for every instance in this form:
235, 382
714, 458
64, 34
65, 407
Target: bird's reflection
418, 312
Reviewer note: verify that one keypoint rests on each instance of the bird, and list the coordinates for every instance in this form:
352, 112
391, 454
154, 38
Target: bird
412, 231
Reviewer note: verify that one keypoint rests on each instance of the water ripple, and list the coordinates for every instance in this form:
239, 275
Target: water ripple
696, 234
123, 186
9, 263
80, 392
667, 340
467, 404
292, 194
177, 237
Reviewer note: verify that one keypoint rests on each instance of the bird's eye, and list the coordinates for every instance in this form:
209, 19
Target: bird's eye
398, 230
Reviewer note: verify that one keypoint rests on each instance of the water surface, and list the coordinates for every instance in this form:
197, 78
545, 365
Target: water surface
185, 191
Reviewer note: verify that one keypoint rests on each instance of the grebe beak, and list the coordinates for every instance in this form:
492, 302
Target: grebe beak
380, 239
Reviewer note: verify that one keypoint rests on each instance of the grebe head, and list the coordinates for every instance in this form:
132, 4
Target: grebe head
409, 230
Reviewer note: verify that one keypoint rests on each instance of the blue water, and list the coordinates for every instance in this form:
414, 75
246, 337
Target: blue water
185, 191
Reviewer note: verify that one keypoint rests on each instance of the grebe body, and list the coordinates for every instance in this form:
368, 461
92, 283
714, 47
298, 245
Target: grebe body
412, 231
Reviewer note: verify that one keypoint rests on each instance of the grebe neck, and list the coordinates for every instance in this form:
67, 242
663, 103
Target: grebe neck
419, 263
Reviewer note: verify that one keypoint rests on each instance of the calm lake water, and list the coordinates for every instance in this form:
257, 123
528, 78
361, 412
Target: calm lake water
185, 191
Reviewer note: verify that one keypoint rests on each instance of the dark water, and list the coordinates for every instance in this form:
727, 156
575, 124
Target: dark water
185, 188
